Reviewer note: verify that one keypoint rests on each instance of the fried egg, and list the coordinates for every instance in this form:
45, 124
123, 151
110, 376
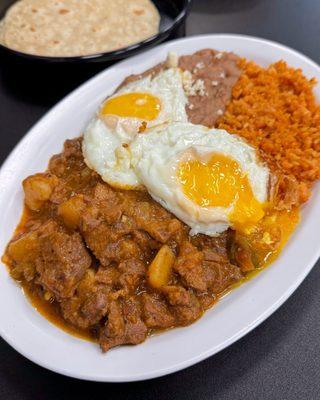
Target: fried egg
208, 178
135, 107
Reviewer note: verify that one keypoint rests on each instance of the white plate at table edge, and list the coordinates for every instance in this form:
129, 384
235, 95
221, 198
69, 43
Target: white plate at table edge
43, 343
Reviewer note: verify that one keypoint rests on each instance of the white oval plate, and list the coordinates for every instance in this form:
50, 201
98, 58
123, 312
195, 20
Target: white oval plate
234, 316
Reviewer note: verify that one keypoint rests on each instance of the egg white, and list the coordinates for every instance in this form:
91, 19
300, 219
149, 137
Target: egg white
156, 157
167, 86
105, 137
104, 152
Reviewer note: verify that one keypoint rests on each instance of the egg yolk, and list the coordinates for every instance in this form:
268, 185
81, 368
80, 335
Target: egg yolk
220, 182
276, 228
135, 105
263, 243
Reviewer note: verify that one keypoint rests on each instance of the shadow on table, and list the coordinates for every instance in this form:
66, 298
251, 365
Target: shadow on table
43, 84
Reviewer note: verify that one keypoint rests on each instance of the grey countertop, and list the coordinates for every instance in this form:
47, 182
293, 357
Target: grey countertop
280, 359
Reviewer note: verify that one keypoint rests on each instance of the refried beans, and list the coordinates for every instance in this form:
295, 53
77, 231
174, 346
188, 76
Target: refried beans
209, 79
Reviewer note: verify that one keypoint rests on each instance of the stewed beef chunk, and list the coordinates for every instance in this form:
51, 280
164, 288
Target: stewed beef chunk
124, 325
62, 262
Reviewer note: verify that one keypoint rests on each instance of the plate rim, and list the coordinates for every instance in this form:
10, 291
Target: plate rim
242, 332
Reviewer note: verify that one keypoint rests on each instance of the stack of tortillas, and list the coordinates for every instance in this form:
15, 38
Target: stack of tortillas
77, 27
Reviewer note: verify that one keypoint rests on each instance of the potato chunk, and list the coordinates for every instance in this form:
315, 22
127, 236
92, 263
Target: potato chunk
23, 253
160, 269
38, 189
70, 211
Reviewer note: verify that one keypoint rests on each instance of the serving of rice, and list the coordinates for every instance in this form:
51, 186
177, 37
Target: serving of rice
275, 110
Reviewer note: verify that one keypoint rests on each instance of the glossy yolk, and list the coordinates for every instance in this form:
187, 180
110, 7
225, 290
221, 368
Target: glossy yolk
264, 242
272, 234
220, 182
143, 106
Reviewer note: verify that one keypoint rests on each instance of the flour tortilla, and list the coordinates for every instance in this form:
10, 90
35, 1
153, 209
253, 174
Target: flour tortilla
77, 27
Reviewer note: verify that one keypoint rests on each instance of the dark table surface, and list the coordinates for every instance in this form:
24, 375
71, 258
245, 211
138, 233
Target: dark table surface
281, 358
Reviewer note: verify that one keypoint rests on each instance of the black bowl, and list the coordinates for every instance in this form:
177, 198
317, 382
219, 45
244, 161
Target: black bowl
172, 25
